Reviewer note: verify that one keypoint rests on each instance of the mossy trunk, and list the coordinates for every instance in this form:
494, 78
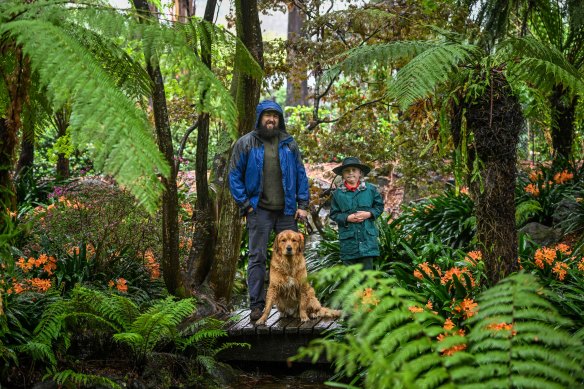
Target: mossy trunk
246, 91
563, 114
495, 119
170, 230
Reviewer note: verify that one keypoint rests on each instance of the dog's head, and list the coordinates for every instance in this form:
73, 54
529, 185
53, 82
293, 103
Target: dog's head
289, 243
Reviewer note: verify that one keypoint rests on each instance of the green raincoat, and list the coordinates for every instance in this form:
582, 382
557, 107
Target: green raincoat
357, 240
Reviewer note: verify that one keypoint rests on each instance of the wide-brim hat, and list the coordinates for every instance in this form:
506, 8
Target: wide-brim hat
350, 162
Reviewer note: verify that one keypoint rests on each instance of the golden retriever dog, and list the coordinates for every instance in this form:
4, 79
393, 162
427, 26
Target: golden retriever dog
289, 288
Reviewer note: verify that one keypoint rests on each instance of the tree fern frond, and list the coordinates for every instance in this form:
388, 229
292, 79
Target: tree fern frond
418, 78
102, 116
354, 60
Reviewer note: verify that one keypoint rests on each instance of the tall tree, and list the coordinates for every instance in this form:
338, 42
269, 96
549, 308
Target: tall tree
245, 90
204, 218
296, 82
170, 229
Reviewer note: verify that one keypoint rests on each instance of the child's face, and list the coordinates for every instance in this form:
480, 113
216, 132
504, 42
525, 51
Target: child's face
352, 175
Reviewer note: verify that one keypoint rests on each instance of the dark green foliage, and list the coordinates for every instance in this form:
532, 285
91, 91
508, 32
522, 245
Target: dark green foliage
517, 338
449, 217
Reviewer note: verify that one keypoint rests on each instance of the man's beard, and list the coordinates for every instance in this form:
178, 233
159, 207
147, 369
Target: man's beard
268, 133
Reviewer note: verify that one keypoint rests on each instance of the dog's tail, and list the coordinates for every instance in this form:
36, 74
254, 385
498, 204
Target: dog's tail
330, 313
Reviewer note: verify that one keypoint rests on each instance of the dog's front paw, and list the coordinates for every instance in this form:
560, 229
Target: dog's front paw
261, 321
303, 318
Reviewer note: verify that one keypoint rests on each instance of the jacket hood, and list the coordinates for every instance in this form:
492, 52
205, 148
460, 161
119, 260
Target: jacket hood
271, 106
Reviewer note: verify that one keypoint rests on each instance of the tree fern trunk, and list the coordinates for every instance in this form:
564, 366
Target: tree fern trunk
496, 120
246, 92
170, 231
205, 234
62, 123
563, 112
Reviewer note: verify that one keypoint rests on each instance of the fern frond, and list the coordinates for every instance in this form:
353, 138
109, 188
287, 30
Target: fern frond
67, 377
118, 132
39, 352
117, 310
525, 210
531, 344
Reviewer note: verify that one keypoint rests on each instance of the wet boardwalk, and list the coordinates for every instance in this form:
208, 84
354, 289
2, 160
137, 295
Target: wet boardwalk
275, 341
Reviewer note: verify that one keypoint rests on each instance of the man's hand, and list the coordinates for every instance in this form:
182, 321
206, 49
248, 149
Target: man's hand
301, 214
358, 217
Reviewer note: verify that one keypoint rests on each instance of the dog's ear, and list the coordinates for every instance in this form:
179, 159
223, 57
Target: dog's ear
276, 248
301, 245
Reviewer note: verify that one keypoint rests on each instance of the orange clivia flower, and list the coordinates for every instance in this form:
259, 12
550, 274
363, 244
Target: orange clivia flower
122, 285
458, 271
51, 265
532, 189
151, 265
467, 307
448, 325
563, 248
560, 269
500, 326
429, 305
544, 254
474, 257
111, 283
581, 264
425, 270
415, 309
563, 177
40, 284
535, 175
464, 191
451, 350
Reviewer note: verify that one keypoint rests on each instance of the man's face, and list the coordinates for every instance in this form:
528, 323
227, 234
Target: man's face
352, 175
269, 123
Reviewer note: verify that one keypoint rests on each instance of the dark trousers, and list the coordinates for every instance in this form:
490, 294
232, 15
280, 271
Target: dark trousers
367, 262
260, 223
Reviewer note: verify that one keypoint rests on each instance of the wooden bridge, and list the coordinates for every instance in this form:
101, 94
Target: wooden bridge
275, 341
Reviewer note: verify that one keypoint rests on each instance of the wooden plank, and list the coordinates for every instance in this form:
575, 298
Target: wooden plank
235, 318
280, 325
272, 319
237, 329
323, 325
292, 327
308, 327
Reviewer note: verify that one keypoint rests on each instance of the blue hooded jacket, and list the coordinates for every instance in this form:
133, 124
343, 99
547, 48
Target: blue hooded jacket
247, 164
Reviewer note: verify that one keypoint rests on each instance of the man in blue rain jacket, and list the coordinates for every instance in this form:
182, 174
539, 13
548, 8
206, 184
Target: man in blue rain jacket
268, 181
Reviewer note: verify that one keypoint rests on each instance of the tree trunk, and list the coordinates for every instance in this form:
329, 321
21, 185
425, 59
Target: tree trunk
246, 92
563, 112
170, 230
61, 122
23, 174
496, 120
17, 85
182, 10
205, 234
296, 83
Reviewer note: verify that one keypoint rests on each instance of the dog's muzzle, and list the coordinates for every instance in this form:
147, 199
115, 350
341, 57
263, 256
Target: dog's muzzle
288, 250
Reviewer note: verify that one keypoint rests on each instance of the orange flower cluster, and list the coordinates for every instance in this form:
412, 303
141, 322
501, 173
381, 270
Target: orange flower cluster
563, 248
74, 250
454, 349
581, 264
464, 191
544, 255
415, 309
75, 205
458, 271
35, 284
560, 269
368, 297
121, 284
48, 264
563, 177
502, 327
448, 325
185, 244
532, 189
426, 271
474, 257
467, 307
535, 175
151, 264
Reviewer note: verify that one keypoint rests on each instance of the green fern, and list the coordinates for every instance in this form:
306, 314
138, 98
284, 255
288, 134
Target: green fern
158, 324
526, 210
67, 377
517, 338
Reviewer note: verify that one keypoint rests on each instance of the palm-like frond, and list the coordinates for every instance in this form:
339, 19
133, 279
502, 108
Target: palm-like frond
102, 116
67, 377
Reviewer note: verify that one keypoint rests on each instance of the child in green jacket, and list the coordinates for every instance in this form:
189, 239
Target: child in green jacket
355, 206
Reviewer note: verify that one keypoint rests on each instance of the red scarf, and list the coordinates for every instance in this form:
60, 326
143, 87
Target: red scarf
351, 188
